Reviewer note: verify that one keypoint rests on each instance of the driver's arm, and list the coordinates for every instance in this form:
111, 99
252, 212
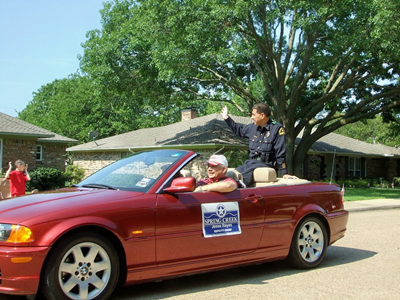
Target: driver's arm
225, 186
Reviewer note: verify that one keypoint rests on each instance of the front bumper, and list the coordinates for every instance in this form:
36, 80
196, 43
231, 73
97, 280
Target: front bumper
20, 269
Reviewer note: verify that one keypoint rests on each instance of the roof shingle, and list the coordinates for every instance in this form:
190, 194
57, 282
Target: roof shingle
15, 127
212, 130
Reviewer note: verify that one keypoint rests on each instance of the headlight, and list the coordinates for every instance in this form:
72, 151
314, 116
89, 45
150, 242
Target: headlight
12, 233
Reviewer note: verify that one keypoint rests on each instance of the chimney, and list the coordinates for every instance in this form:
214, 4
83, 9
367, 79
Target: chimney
188, 114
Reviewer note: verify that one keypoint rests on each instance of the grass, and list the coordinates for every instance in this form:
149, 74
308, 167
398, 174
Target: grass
355, 194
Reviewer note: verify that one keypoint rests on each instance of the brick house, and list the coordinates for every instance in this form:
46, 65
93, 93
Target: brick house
351, 158
38, 147
208, 134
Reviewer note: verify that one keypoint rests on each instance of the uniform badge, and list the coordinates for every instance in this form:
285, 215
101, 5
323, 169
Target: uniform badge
281, 131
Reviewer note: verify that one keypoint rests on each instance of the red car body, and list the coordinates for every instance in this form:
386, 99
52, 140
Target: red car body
159, 232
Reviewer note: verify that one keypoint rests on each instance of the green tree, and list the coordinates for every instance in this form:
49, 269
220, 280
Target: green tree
320, 65
74, 107
374, 130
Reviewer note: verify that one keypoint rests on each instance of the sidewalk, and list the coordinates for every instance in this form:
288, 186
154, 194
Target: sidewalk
354, 206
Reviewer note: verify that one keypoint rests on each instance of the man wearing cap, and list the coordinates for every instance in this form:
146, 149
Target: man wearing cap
217, 180
267, 142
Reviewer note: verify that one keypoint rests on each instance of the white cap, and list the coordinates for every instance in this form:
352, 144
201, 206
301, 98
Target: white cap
216, 160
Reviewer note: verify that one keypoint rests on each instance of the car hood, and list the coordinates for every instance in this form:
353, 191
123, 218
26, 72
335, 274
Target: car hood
17, 210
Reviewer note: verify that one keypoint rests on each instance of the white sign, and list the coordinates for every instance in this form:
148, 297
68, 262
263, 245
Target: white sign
220, 219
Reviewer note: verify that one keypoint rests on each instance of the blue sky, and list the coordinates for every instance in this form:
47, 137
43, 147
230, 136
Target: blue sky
39, 42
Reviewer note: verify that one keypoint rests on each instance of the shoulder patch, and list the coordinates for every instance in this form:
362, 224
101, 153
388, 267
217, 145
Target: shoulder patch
281, 131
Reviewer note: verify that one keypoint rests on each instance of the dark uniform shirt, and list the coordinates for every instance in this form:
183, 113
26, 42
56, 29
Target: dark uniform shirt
266, 144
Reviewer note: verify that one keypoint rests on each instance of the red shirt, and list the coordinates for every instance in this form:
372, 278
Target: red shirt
18, 181
206, 181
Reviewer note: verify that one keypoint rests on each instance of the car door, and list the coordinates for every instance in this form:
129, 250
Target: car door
205, 224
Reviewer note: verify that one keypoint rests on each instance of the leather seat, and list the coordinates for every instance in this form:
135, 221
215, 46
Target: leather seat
263, 176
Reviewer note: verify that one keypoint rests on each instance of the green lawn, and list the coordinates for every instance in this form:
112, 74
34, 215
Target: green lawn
355, 194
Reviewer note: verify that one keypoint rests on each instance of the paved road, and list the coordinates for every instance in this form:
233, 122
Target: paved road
363, 265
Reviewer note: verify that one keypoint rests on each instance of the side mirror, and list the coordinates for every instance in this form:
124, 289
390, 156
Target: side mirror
181, 185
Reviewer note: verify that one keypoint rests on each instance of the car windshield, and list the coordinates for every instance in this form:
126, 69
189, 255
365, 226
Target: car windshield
138, 172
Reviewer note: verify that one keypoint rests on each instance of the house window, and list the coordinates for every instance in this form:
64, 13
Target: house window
1, 154
354, 167
125, 154
39, 152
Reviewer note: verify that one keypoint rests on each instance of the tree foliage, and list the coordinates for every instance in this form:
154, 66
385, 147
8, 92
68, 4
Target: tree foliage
75, 106
375, 130
320, 65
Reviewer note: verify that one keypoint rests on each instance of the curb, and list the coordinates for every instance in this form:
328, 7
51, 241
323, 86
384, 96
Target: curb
360, 209
366, 205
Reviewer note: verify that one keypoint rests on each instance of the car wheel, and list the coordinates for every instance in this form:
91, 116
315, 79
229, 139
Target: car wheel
82, 266
309, 244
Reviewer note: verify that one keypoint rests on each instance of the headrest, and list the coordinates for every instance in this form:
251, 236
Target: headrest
264, 174
235, 175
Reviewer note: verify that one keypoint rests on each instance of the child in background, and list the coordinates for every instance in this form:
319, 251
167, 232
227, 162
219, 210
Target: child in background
18, 178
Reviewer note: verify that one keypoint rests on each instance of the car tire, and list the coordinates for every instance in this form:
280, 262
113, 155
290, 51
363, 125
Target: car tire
82, 266
309, 244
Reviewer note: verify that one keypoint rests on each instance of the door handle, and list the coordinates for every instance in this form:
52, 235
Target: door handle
254, 198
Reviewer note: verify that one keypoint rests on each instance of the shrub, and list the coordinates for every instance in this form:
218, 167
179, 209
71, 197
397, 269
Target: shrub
73, 174
363, 182
45, 179
360, 182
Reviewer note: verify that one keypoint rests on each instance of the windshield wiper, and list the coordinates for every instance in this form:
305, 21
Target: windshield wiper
98, 186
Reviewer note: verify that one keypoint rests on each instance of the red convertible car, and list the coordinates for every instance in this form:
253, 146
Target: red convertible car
139, 220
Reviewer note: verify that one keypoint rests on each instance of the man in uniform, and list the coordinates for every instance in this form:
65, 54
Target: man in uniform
267, 142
